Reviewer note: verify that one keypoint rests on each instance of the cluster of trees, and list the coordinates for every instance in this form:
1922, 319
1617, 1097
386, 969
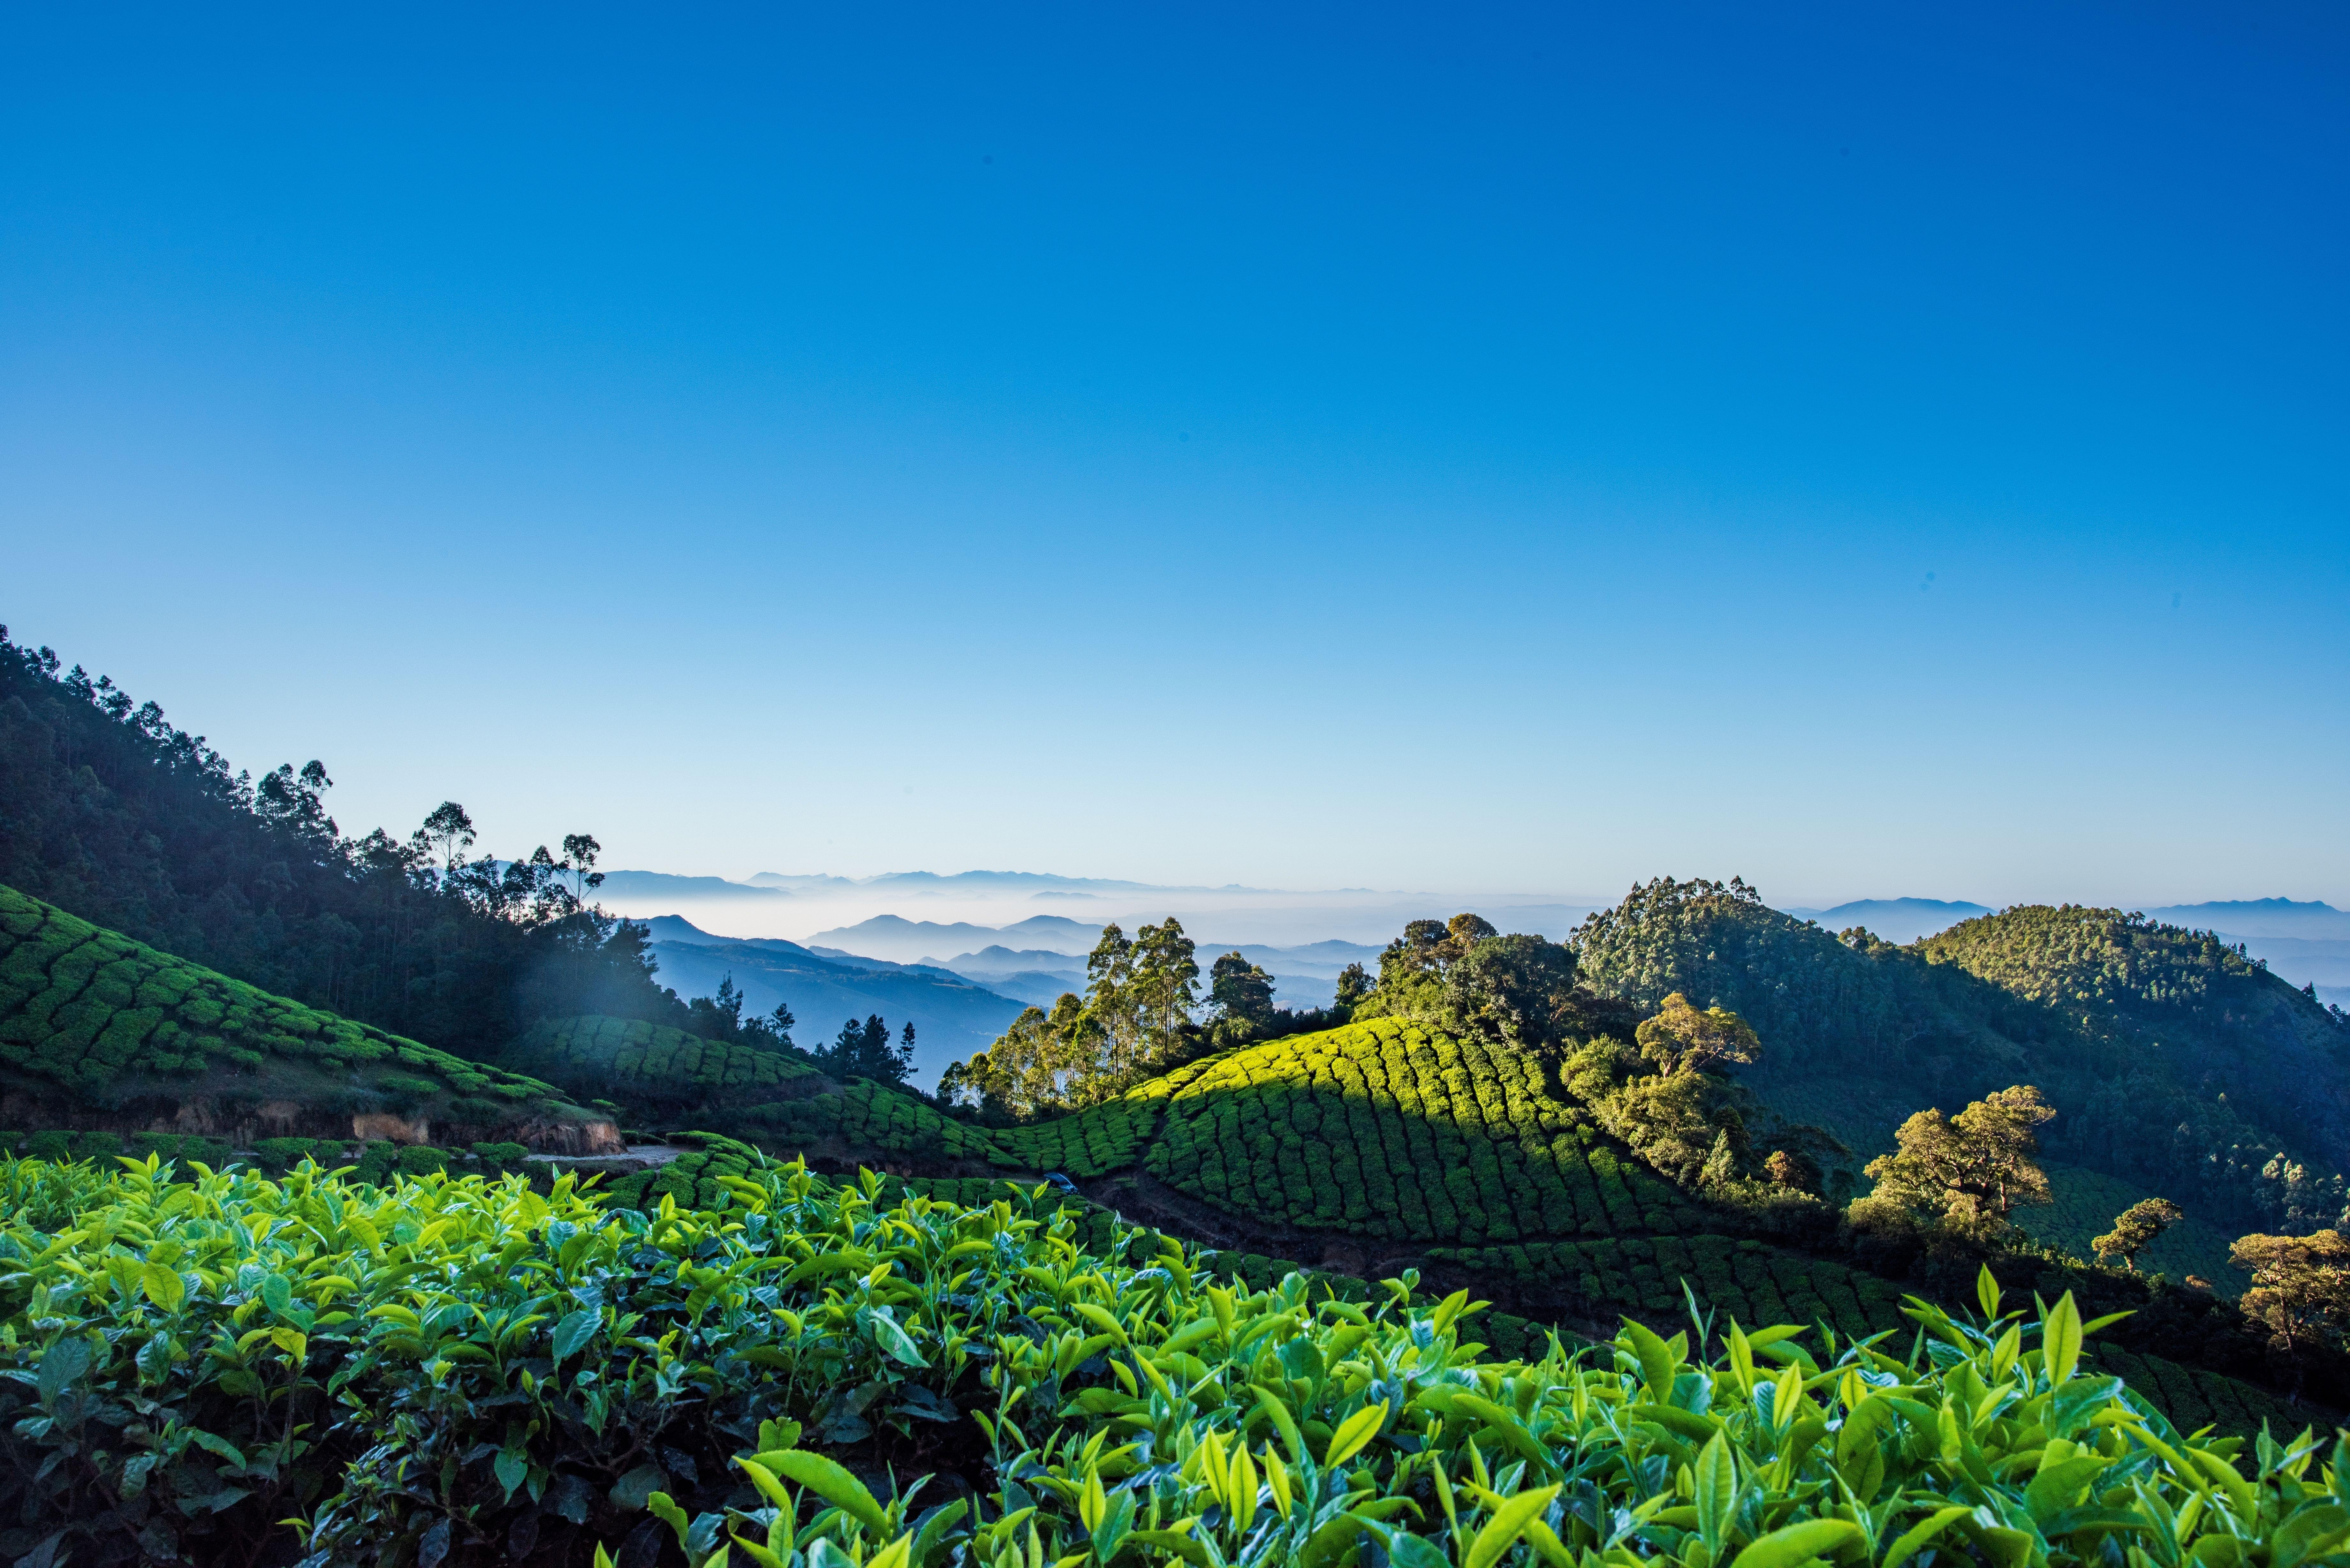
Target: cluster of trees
1966, 1173
720, 1018
1668, 1095
864, 1050
1135, 1019
1464, 976
118, 817
1964, 1176
1142, 1014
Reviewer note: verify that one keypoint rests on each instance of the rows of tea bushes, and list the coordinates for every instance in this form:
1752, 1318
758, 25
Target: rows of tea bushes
2085, 1203
2193, 1397
87, 1010
1094, 1141
870, 1115
63, 1146
457, 1372
630, 1060
694, 1180
1744, 1278
1388, 1130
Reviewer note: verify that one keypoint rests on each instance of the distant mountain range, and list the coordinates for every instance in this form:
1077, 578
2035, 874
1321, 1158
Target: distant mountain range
908, 941
2261, 918
1038, 959
638, 883
952, 1016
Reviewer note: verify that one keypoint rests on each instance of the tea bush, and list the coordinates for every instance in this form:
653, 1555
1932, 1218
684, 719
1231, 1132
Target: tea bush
1091, 1142
459, 1370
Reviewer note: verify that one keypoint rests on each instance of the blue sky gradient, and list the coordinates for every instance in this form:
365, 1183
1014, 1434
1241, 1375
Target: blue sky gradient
1878, 452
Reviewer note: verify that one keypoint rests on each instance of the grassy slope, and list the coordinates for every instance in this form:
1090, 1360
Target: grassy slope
91, 1017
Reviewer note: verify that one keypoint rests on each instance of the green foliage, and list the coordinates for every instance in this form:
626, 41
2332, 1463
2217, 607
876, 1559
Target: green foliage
1285, 1429
1241, 992
1387, 1129
1969, 1171
654, 1065
865, 1051
96, 1015
347, 1352
468, 1371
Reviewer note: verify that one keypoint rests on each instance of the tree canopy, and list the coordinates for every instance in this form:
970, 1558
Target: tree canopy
1973, 1170
2136, 1229
116, 815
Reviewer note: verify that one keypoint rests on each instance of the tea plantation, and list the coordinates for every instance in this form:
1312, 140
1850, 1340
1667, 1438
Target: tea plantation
632, 1060
93, 1016
1388, 1130
1455, 1151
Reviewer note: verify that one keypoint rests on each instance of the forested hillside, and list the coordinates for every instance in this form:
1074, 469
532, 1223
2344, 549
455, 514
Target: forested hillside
109, 811
2173, 1060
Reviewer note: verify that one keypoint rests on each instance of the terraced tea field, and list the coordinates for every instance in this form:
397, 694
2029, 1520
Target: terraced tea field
1746, 1279
1386, 1131
1100, 1138
92, 1012
870, 1115
628, 1059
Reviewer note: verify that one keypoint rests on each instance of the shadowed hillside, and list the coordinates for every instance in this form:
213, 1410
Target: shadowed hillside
97, 1030
2174, 1060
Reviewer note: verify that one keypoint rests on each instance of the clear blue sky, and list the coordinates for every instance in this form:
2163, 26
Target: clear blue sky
1879, 450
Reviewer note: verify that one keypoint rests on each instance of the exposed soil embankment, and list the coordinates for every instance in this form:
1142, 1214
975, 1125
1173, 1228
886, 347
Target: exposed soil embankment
244, 1120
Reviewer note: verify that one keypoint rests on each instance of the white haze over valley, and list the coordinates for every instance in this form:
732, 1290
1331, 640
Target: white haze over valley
1024, 934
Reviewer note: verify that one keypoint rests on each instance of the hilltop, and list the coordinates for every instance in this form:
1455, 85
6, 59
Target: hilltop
2176, 1061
